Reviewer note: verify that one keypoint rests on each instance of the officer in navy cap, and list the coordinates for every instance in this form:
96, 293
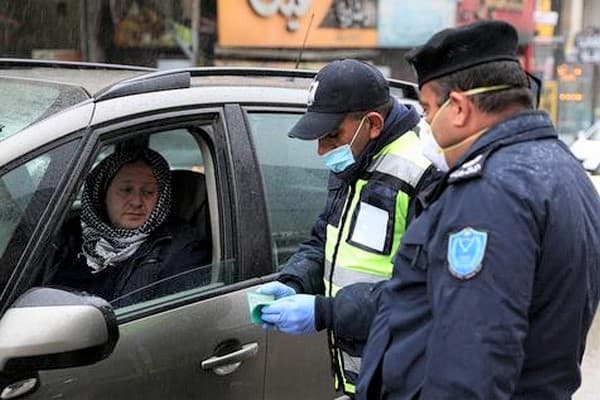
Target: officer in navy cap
496, 283
370, 143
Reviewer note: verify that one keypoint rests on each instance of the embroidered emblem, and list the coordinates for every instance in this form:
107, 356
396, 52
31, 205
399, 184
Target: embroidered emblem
312, 92
465, 252
471, 169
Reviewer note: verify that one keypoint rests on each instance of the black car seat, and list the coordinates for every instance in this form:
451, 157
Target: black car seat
189, 201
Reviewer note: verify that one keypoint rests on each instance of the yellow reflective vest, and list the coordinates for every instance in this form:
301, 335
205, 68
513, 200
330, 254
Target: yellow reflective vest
372, 224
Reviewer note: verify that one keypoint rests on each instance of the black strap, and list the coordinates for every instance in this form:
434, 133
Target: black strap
396, 183
334, 352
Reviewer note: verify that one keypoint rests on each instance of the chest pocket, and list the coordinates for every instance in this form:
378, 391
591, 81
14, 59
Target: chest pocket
413, 250
336, 196
373, 220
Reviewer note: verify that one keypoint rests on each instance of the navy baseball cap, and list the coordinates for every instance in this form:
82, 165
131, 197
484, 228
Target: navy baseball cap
340, 87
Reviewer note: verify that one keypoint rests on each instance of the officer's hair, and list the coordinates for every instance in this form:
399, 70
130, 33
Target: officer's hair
383, 110
489, 74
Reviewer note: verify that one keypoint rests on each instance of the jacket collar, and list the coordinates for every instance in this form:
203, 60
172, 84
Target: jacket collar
399, 120
521, 127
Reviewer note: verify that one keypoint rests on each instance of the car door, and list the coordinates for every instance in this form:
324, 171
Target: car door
295, 185
195, 341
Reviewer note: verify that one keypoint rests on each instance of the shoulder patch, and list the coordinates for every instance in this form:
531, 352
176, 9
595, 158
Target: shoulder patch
469, 170
466, 250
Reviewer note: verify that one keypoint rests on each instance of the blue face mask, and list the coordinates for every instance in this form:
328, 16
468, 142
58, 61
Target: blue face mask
340, 158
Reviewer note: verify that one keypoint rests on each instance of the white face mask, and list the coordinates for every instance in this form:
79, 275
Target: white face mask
431, 149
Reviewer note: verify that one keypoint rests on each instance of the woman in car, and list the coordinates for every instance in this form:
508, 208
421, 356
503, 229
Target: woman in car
125, 238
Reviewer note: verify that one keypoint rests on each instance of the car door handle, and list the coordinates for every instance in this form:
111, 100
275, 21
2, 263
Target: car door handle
227, 363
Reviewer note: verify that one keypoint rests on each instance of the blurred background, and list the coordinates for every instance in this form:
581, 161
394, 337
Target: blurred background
559, 42
559, 39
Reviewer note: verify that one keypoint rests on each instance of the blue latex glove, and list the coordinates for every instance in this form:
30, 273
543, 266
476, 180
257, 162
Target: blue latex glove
294, 315
276, 289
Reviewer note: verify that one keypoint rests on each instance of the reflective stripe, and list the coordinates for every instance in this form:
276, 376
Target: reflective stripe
344, 276
351, 364
327, 270
399, 167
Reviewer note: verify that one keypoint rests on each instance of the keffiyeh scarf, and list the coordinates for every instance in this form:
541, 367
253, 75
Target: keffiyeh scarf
104, 244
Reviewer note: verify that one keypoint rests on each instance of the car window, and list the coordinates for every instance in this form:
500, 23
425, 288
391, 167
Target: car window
24, 101
179, 148
24, 193
180, 286
177, 256
295, 180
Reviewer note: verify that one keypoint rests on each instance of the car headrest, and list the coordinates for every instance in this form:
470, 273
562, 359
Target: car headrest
188, 196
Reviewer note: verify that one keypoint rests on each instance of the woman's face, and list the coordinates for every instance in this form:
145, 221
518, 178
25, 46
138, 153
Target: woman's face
131, 195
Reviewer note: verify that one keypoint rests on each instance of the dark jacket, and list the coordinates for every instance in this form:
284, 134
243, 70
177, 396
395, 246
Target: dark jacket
350, 313
513, 323
172, 248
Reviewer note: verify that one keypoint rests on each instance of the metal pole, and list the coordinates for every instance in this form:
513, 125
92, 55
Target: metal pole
83, 29
196, 33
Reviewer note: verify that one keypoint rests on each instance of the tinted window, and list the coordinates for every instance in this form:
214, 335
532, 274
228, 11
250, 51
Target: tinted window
295, 180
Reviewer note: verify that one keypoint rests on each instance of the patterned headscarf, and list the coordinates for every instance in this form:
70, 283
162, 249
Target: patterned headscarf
103, 243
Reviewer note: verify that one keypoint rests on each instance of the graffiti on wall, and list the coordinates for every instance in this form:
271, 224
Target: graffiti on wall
342, 14
284, 23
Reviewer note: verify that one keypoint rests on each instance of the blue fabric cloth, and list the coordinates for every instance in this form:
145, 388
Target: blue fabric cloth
517, 328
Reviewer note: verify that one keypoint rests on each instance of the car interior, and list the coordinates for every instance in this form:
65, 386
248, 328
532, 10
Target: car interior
193, 199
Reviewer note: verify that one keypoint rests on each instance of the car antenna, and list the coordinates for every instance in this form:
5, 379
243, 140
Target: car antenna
304, 42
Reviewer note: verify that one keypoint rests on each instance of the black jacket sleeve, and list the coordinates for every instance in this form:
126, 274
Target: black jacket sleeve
349, 314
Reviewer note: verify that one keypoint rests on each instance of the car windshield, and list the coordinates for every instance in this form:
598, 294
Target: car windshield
24, 101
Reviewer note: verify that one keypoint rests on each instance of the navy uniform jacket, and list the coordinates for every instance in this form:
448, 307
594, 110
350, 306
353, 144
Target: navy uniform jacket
496, 283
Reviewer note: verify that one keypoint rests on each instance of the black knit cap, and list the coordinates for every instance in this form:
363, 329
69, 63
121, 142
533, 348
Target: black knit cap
456, 49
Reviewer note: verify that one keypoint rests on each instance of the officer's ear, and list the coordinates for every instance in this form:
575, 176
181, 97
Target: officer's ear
374, 122
461, 109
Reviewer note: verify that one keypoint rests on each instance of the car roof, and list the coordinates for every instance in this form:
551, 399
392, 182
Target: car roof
217, 85
231, 76
32, 90
89, 76
156, 90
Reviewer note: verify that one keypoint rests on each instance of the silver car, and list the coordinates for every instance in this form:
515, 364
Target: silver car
238, 177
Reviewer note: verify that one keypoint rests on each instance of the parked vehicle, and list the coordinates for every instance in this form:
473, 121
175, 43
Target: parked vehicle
587, 149
256, 191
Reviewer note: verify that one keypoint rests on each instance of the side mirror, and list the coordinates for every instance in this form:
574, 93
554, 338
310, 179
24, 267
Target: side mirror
48, 328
